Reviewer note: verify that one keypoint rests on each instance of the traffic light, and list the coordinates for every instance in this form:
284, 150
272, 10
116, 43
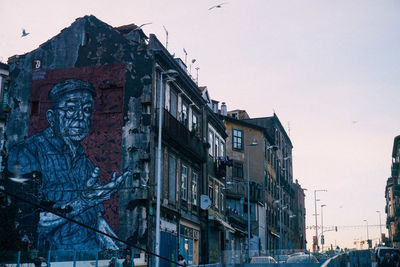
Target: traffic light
322, 240
336, 228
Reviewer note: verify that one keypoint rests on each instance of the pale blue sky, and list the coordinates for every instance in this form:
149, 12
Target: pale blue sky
319, 64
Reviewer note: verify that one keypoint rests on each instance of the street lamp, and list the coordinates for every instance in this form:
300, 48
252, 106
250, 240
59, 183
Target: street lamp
380, 227
170, 73
367, 232
316, 215
322, 228
248, 197
281, 204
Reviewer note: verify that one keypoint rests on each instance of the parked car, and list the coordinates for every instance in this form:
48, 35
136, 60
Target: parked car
297, 254
381, 251
302, 259
262, 259
281, 258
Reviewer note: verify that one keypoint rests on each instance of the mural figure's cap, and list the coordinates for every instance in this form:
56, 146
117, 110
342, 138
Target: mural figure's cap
70, 85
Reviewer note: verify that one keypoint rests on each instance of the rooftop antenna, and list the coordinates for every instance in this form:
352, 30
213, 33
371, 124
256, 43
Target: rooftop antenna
166, 33
184, 51
197, 75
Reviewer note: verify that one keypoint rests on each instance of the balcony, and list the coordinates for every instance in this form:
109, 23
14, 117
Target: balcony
235, 217
176, 134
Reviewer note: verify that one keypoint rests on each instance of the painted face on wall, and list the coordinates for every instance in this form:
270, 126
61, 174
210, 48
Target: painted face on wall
72, 115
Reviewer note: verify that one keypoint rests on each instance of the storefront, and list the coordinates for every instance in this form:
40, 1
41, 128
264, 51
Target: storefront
169, 242
189, 242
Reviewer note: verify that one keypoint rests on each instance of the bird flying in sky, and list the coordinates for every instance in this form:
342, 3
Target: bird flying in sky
217, 6
24, 33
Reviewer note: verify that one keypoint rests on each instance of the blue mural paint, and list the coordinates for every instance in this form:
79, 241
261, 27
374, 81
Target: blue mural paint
69, 178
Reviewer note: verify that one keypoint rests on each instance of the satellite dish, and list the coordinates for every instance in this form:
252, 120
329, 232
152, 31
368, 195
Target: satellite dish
205, 202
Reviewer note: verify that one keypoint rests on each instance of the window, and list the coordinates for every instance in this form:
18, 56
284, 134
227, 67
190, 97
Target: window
211, 142
237, 170
195, 123
184, 181
237, 139
184, 114
216, 199
221, 200
173, 102
210, 191
216, 147
195, 178
171, 178
222, 149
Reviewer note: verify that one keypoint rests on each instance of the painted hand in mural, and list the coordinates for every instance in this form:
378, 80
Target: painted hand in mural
97, 192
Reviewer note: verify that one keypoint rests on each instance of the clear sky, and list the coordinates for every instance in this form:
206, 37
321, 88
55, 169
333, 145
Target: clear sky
329, 69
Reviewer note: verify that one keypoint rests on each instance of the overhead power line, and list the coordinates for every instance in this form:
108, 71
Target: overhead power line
52, 210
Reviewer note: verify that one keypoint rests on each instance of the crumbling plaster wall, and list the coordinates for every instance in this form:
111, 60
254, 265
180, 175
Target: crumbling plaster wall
90, 42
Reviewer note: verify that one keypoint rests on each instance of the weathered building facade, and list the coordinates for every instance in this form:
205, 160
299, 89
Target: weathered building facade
245, 152
110, 82
281, 211
4, 79
281, 159
392, 194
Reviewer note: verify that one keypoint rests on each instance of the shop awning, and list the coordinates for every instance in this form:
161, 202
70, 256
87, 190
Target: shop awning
225, 225
240, 231
275, 234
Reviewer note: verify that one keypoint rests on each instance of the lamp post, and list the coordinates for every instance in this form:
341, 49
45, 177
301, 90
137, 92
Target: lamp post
170, 73
367, 233
380, 227
248, 197
316, 215
322, 228
281, 205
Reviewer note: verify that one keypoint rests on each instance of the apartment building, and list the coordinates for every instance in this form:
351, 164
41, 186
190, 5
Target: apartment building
138, 90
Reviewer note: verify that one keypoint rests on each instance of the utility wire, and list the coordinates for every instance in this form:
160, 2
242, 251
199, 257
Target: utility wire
86, 226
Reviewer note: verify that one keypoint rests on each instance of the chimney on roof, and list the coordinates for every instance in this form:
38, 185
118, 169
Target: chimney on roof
215, 106
224, 110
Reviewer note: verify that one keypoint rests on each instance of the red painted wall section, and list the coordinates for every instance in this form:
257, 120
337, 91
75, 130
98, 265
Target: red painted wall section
103, 144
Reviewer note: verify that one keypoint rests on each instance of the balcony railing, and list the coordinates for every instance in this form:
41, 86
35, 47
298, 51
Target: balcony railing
177, 134
235, 216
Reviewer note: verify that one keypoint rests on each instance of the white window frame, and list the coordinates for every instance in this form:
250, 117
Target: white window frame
184, 182
195, 179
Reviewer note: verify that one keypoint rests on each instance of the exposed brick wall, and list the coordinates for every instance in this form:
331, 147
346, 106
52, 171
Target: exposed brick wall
103, 144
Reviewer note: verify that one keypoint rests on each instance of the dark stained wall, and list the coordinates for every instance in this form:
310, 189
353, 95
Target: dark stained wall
121, 70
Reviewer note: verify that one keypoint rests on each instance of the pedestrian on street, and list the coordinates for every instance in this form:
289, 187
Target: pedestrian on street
387, 261
396, 259
39, 261
114, 262
181, 260
128, 262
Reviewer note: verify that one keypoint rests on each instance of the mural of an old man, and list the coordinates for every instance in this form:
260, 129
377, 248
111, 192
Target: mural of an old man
69, 178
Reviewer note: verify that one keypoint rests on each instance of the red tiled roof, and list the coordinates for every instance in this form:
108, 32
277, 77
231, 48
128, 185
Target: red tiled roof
202, 88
